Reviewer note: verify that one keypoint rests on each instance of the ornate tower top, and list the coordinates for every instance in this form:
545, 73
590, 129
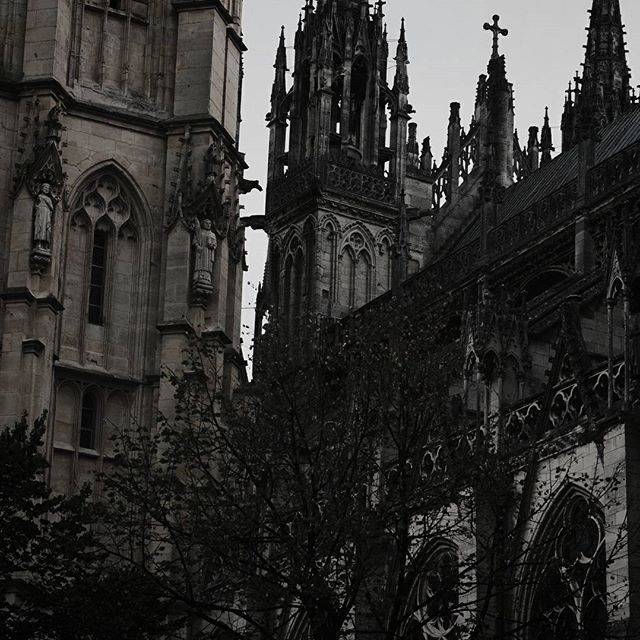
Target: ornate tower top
602, 94
606, 74
341, 106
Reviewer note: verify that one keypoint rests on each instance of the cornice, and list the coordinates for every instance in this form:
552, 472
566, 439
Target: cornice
147, 123
26, 296
100, 376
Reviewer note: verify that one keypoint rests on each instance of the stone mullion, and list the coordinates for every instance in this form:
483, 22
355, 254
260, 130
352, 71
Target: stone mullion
102, 63
73, 72
150, 51
124, 80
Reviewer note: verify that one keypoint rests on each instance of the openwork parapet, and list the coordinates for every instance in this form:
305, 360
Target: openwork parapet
360, 182
568, 406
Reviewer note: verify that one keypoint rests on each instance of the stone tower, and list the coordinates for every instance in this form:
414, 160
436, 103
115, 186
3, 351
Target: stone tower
120, 176
346, 193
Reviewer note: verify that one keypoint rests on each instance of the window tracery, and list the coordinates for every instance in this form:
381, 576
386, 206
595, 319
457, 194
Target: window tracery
435, 600
570, 598
103, 275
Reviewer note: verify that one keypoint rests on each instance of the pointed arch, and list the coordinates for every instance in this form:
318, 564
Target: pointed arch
141, 206
329, 221
329, 238
565, 591
358, 228
107, 253
291, 241
348, 260
430, 612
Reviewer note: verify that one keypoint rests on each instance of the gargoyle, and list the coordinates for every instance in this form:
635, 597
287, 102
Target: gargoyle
247, 186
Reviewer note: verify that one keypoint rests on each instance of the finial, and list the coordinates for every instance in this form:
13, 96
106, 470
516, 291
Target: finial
403, 37
546, 140
497, 32
281, 55
380, 7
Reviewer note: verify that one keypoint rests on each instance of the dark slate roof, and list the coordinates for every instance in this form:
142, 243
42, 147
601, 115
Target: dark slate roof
541, 183
561, 170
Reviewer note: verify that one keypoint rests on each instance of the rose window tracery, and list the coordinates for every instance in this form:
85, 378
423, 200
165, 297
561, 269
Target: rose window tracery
571, 594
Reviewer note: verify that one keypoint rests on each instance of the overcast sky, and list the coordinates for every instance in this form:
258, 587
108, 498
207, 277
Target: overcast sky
448, 49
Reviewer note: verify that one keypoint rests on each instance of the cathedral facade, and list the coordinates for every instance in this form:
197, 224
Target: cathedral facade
120, 179
539, 251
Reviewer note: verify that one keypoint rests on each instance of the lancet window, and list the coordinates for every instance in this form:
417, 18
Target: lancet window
102, 276
356, 272
294, 289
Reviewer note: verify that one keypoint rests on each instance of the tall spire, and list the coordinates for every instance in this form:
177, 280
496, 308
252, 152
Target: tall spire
276, 119
401, 82
604, 94
279, 89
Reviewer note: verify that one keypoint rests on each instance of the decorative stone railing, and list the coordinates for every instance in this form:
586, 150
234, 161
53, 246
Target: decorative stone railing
361, 182
354, 180
568, 405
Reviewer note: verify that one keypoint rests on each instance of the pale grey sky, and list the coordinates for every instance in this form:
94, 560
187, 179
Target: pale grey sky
448, 49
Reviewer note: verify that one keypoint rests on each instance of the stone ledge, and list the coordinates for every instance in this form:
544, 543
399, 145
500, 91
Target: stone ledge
75, 371
26, 296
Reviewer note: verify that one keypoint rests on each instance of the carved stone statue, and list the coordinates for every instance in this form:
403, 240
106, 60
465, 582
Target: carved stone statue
205, 244
43, 209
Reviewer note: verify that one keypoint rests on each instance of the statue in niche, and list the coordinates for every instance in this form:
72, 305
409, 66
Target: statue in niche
205, 244
43, 210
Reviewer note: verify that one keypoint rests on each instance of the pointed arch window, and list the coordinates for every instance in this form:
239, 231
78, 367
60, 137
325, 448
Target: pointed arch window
88, 421
569, 600
434, 604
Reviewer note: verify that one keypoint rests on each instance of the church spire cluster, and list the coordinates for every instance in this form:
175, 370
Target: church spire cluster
339, 101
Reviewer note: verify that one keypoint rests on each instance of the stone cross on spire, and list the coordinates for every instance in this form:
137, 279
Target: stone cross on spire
497, 32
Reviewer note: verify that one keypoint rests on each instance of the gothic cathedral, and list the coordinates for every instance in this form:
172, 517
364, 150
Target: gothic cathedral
120, 177
537, 249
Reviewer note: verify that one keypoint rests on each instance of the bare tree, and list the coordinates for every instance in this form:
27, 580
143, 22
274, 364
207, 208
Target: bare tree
345, 492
